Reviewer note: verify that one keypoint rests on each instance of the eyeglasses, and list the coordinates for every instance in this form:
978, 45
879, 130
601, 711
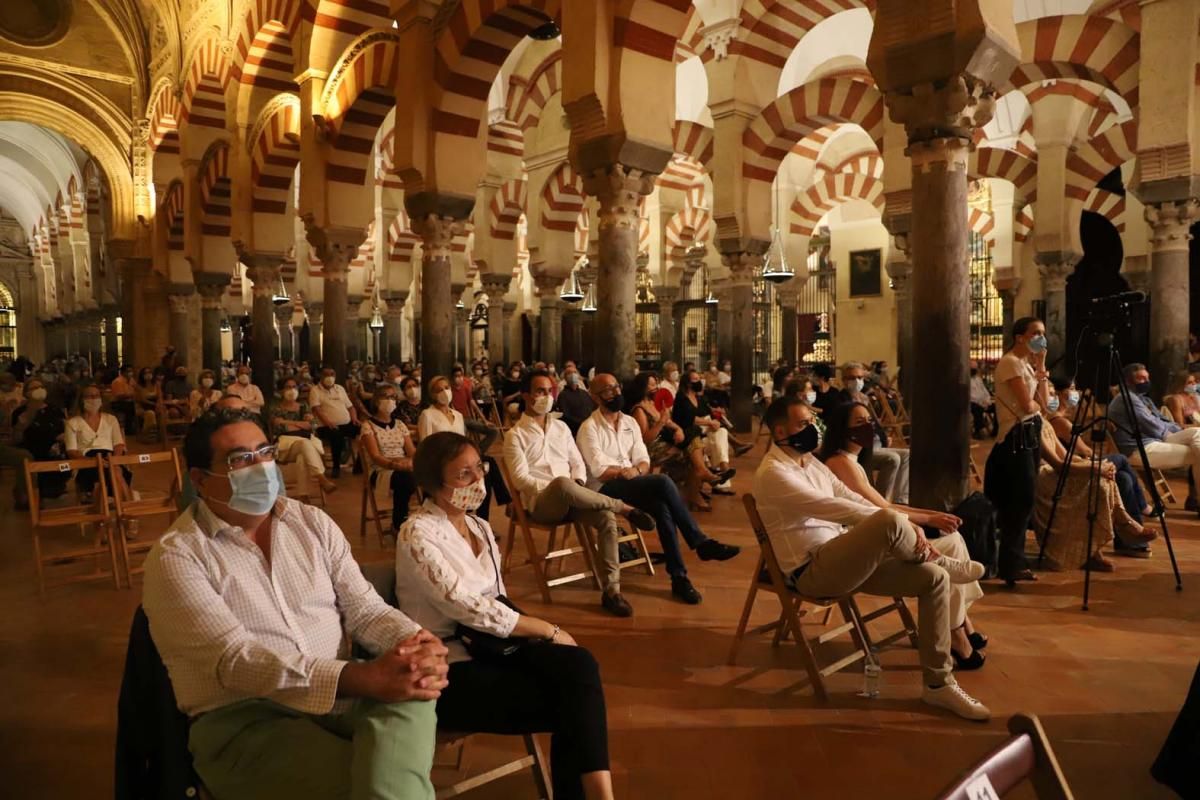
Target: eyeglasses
246, 458
475, 473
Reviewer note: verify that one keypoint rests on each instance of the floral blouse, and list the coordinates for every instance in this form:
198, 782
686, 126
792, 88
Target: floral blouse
301, 414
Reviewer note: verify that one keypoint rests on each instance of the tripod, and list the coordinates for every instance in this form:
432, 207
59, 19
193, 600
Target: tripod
1099, 428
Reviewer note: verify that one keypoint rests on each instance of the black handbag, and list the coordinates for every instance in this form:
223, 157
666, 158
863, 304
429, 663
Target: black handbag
481, 644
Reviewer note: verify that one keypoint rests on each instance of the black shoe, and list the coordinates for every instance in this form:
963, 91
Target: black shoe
712, 550
725, 492
1022, 575
1120, 549
972, 662
742, 449
616, 605
640, 519
977, 640
724, 475
336, 472
626, 552
1190, 504
682, 588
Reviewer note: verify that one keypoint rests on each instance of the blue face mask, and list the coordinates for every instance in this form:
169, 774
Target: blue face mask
1052, 403
1072, 398
255, 488
1038, 343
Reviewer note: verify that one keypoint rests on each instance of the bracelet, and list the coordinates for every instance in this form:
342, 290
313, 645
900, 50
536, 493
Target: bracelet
553, 634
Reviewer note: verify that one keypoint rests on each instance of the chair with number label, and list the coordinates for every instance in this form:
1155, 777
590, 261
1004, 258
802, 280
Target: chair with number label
81, 517
1027, 756
145, 503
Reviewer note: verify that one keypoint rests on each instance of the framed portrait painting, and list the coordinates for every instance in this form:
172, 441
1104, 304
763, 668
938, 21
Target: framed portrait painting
865, 273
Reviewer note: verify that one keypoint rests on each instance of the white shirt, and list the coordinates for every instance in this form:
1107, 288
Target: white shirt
432, 420
1008, 407
333, 402
536, 456
803, 505
250, 393
440, 582
230, 627
980, 395
602, 445
78, 435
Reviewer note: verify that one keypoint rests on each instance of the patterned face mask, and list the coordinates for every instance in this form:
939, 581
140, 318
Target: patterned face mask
469, 498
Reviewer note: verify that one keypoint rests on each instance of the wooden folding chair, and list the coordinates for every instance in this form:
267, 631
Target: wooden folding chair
171, 432
630, 534
1026, 756
976, 475
888, 419
299, 484
77, 516
371, 511
542, 562
152, 503
769, 577
1164, 487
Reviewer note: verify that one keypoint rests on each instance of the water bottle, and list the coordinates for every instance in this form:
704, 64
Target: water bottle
872, 672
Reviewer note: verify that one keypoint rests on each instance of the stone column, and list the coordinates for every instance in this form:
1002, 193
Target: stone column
496, 286
263, 272
354, 341
212, 287
740, 307
510, 309
1007, 285
393, 327
1054, 268
283, 321
1169, 288
111, 340
550, 322
723, 348
618, 190
667, 336
679, 320
899, 269
788, 299
437, 303
459, 318
316, 316
178, 294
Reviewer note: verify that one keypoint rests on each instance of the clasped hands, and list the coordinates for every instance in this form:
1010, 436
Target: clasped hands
414, 669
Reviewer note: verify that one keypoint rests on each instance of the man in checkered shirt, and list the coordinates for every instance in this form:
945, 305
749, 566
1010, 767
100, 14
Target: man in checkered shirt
251, 598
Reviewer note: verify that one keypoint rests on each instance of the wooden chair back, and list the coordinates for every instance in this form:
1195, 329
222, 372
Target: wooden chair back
130, 512
171, 432
371, 511
888, 419
1026, 756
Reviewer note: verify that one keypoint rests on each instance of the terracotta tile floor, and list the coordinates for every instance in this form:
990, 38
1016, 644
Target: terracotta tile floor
1106, 683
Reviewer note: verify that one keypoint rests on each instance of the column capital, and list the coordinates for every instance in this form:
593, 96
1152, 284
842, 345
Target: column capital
437, 235
548, 286
264, 276
1170, 223
1055, 267
743, 266
949, 109
178, 303
495, 286
619, 189
666, 295
181, 289
395, 299
284, 312
211, 286
335, 246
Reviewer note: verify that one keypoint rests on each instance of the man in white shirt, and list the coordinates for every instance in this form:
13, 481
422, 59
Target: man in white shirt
247, 391
831, 541
983, 407
250, 598
548, 471
619, 466
336, 415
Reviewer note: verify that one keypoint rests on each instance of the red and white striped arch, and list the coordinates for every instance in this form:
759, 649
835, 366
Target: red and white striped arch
688, 228
357, 104
983, 223
1077, 47
771, 29
215, 191
204, 91
165, 114
1109, 205
691, 43
506, 138
682, 175
1127, 12
1088, 165
264, 55
866, 162
830, 191
337, 22
694, 140
562, 200
172, 210
803, 111
274, 156
508, 205
401, 241
527, 96
1008, 165
1023, 224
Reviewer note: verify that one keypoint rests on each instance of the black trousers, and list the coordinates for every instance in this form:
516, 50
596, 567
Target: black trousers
542, 688
87, 478
337, 439
1010, 481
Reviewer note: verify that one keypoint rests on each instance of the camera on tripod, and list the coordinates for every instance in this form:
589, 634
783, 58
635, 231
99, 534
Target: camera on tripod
1106, 312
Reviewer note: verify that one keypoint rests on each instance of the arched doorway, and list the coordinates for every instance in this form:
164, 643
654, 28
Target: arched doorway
8, 325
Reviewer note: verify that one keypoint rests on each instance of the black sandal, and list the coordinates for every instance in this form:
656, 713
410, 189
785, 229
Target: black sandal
973, 662
1023, 575
977, 640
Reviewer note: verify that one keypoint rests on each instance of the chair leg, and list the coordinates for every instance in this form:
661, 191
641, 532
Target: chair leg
806, 653
362, 515
508, 545
537, 562
37, 561
910, 624
853, 618
590, 552
747, 607
127, 568
539, 768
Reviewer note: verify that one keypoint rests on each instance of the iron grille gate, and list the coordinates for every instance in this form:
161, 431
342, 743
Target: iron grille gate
987, 310
816, 312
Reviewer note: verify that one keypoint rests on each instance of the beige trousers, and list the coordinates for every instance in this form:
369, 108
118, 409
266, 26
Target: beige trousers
563, 500
306, 451
878, 556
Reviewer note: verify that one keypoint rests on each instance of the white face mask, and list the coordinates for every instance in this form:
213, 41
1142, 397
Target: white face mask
386, 406
673, 376
91, 404
856, 384
327, 381
38, 394
412, 393
1073, 397
810, 397
469, 498
290, 394
243, 379
542, 405
443, 397
206, 383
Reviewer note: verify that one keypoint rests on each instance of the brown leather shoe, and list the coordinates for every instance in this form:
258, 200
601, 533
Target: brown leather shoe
616, 605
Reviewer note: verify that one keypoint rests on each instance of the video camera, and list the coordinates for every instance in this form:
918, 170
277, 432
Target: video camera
1114, 307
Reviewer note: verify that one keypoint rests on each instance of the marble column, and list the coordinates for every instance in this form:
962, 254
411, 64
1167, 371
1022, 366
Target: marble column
1007, 286
788, 299
437, 303
496, 286
550, 322
510, 349
723, 348
263, 272
316, 317
618, 190
354, 342
899, 270
111, 339
393, 327
667, 335
1170, 224
1055, 268
679, 319
743, 267
212, 287
459, 319
283, 322
139, 339
178, 294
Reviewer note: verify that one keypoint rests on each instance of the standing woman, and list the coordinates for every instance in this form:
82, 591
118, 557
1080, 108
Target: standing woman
1010, 478
389, 446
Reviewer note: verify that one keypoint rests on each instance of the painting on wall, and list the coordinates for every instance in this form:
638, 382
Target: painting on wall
865, 279
693, 336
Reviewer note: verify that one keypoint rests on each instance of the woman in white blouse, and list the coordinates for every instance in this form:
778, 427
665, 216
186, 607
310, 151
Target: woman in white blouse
92, 431
389, 448
205, 394
448, 574
441, 416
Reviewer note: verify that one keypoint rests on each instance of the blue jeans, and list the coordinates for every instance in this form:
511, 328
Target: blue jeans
658, 496
1131, 494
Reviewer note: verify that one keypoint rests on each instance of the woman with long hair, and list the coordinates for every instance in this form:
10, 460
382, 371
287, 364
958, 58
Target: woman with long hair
1183, 399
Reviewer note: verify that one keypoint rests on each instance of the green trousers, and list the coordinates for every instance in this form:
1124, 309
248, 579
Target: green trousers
260, 750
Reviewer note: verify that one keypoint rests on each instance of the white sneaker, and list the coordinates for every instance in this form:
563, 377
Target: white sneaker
952, 698
961, 571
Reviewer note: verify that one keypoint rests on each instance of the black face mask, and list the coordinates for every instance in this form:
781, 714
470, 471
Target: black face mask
697, 386
1142, 388
863, 435
614, 403
804, 440
651, 394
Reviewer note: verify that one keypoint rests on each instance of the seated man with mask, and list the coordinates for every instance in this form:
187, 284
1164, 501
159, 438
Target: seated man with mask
831, 541
618, 466
250, 598
548, 471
